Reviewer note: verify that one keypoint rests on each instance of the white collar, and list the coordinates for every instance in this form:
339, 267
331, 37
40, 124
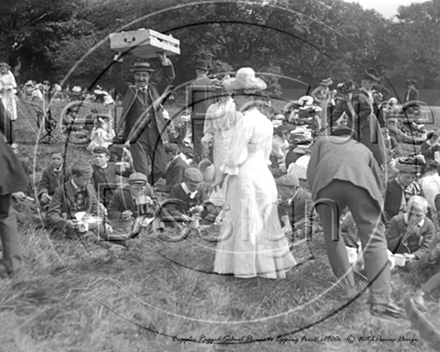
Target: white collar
61, 167
187, 191
420, 224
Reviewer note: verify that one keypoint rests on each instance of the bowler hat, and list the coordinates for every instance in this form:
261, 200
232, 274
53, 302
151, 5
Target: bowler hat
288, 180
171, 148
141, 67
371, 74
137, 177
202, 65
411, 81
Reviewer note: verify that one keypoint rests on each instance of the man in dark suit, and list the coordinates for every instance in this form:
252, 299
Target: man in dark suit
176, 166
344, 173
200, 96
145, 127
13, 179
412, 94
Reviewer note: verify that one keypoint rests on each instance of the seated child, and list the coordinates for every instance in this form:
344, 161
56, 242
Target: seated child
185, 200
413, 234
176, 166
53, 176
296, 209
131, 201
76, 195
102, 134
104, 175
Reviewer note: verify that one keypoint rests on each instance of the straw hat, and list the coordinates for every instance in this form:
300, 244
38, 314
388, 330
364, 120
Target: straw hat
141, 67
326, 82
245, 80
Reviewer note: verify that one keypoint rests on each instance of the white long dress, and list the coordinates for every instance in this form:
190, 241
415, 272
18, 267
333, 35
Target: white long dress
8, 84
251, 240
220, 124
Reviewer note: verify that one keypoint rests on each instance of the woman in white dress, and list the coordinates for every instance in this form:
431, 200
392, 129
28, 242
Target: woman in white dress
220, 124
7, 86
251, 241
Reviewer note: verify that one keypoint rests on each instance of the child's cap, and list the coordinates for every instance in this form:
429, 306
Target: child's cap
137, 178
193, 174
288, 180
171, 148
101, 150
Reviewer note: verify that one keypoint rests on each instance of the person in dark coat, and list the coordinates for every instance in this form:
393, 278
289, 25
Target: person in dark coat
412, 233
343, 173
53, 176
123, 206
412, 94
76, 195
13, 179
145, 127
104, 175
200, 96
6, 125
176, 167
358, 106
431, 145
401, 189
183, 198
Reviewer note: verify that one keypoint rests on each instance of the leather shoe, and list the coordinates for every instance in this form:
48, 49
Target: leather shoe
387, 310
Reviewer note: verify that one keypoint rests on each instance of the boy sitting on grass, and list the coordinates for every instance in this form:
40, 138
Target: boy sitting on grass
186, 199
131, 201
76, 195
296, 209
104, 175
53, 176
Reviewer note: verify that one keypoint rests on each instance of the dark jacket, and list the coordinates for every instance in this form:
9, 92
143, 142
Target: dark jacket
6, 124
123, 200
393, 198
175, 171
348, 161
134, 125
104, 180
50, 181
419, 242
12, 176
63, 202
411, 95
199, 97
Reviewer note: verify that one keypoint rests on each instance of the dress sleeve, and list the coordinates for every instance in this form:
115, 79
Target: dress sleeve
238, 149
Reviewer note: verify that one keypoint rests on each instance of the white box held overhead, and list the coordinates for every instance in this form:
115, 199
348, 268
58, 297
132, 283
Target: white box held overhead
144, 43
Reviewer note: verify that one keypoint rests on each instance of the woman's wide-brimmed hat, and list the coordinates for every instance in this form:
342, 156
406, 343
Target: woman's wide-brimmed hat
371, 74
346, 87
142, 67
245, 80
326, 82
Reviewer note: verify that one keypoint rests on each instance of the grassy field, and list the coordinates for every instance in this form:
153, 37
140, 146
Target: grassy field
80, 297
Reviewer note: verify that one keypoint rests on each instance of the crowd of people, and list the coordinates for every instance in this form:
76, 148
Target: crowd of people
266, 179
